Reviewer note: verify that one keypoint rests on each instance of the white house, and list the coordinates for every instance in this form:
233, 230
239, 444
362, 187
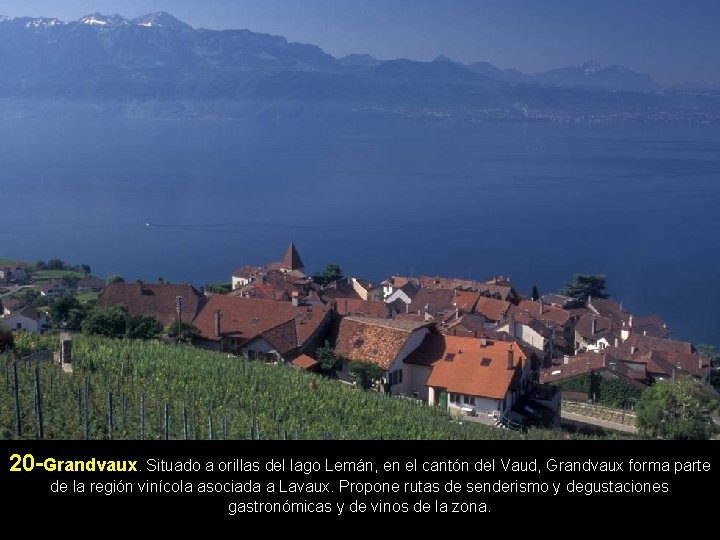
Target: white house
54, 289
26, 318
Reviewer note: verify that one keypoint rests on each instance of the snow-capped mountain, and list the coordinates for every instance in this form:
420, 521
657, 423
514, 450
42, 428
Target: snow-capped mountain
97, 19
160, 19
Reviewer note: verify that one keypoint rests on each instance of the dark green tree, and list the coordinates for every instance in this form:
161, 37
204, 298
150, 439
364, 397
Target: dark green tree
142, 327
535, 293
677, 410
40, 265
109, 322
7, 340
187, 332
329, 361
365, 374
586, 285
60, 309
115, 279
85, 268
331, 273
70, 281
55, 264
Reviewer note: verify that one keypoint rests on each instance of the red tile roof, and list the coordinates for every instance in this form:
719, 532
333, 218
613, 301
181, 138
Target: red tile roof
374, 340
354, 306
546, 313
462, 365
465, 301
248, 318
492, 309
584, 363
152, 299
432, 301
306, 362
603, 326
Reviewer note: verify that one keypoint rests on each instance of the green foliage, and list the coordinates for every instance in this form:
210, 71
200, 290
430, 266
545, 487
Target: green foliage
365, 374
40, 265
109, 322
67, 312
115, 279
219, 288
142, 327
187, 332
85, 268
605, 391
678, 409
55, 264
28, 295
331, 273
329, 361
253, 399
70, 280
584, 286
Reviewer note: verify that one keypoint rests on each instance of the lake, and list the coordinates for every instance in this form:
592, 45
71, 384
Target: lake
191, 200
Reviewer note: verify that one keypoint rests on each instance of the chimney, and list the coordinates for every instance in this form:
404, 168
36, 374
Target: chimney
632, 349
295, 298
218, 316
616, 342
594, 326
511, 357
540, 305
483, 343
566, 359
457, 311
630, 322
644, 332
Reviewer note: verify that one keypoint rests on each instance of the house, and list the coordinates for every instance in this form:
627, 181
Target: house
54, 289
354, 306
431, 302
594, 333
385, 342
605, 365
261, 329
158, 300
90, 285
499, 287
340, 288
244, 275
24, 318
473, 376
493, 310
665, 358
13, 274
558, 300
400, 298
470, 325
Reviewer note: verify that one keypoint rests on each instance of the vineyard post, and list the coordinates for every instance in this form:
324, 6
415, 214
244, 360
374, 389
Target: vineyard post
167, 421
38, 404
86, 411
185, 423
110, 414
16, 391
142, 416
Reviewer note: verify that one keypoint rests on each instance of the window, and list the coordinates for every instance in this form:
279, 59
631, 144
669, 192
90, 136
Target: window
455, 398
18, 326
469, 400
395, 377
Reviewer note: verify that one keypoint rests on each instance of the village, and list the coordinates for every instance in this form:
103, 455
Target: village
479, 349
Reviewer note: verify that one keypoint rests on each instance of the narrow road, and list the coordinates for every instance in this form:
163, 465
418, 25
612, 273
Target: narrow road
573, 417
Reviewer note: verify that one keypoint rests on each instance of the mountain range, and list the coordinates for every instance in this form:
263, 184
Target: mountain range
158, 57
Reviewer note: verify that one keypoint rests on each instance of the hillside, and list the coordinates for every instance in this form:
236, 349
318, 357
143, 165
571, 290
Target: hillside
240, 399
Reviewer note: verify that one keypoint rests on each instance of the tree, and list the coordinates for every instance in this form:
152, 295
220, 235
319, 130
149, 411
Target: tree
60, 309
365, 374
142, 327
677, 410
55, 264
331, 273
329, 361
187, 331
86, 269
711, 352
109, 322
40, 265
586, 285
115, 279
70, 280
7, 340
535, 293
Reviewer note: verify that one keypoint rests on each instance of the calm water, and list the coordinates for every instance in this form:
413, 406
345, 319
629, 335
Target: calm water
538, 202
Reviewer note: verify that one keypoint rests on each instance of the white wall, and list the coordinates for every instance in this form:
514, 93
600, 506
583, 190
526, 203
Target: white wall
11, 321
482, 405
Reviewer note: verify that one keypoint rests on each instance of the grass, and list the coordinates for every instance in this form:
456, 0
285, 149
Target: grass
46, 275
85, 297
8, 262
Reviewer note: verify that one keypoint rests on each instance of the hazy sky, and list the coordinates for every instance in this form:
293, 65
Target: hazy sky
673, 40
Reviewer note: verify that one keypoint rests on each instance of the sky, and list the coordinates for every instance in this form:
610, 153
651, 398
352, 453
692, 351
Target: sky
672, 40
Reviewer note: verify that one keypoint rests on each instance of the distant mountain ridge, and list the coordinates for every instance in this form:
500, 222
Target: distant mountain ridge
158, 57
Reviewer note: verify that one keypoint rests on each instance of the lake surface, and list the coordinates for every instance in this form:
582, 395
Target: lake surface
191, 200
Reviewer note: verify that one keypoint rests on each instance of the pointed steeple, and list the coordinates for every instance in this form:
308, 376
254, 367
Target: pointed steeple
292, 260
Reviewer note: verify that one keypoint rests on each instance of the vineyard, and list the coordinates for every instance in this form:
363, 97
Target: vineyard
124, 389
